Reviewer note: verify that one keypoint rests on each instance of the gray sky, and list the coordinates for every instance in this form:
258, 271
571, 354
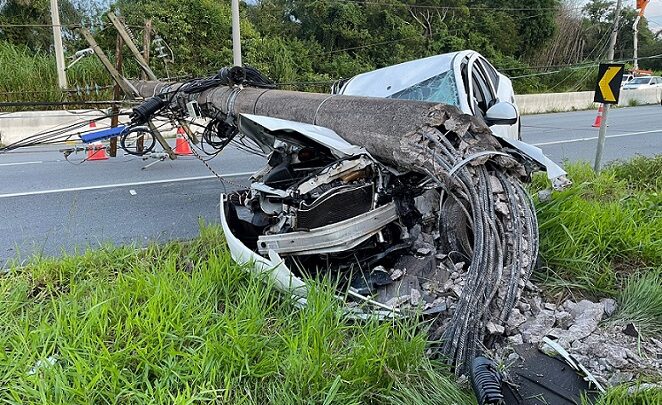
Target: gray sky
654, 14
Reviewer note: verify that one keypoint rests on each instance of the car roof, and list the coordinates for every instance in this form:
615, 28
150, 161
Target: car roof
392, 79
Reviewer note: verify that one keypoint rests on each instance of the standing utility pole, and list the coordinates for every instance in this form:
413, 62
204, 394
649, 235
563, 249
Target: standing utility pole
236, 35
57, 42
605, 107
635, 33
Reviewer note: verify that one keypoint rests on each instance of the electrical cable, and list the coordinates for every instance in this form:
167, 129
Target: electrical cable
55, 135
467, 7
139, 130
582, 67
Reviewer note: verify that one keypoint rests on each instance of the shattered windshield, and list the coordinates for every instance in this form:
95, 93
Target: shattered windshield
441, 89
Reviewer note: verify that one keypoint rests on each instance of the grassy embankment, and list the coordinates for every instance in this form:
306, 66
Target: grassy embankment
180, 323
25, 76
603, 237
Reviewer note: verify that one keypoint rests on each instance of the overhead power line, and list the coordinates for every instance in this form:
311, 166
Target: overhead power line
575, 67
470, 7
103, 26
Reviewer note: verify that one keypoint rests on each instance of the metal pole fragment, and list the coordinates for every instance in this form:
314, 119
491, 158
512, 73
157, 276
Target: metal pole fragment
117, 77
117, 94
635, 36
147, 42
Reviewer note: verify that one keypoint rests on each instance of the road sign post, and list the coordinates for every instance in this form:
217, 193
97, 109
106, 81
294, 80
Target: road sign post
607, 92
605, 105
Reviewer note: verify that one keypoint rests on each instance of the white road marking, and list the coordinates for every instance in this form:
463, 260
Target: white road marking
22, 163
137, 183
592, 138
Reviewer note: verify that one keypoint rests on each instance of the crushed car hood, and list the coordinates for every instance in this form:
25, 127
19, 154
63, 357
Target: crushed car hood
263, 129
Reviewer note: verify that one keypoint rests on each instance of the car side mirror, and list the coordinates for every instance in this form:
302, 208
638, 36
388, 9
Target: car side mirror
501, 113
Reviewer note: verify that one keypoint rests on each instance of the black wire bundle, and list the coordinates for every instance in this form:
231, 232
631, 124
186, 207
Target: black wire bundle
247, 76
229, 76
217, 134
141, 130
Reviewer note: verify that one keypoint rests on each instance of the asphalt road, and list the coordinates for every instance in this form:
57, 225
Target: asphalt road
570, 136
49, 205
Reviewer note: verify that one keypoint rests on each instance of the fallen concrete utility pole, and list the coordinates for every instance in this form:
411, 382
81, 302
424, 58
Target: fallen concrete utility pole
456, 152
375, 124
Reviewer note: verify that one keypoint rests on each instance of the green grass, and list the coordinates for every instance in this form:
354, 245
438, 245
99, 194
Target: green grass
640, 173
641, 302
25, 76
620, 396
180, 323
603, 229
633, 102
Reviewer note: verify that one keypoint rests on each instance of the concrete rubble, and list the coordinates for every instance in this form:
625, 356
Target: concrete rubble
588, 332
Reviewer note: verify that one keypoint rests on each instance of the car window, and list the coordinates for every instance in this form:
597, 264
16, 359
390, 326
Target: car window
482, 92
439, 89
491, 72
640, 80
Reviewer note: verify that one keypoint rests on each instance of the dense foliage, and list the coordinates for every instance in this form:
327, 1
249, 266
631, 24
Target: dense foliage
309, 44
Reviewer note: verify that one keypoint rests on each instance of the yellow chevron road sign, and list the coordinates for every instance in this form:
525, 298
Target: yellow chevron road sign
608, 87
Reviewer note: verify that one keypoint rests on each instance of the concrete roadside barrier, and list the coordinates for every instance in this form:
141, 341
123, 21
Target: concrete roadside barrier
581, 100
16, 126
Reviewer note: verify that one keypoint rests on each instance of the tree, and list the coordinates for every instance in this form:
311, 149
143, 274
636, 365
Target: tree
598, 23
33, 20
198, 31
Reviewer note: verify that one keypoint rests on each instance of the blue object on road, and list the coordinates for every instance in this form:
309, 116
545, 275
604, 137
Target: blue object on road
102, 134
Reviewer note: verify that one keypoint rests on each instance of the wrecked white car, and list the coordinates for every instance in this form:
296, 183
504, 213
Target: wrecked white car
413, 207
465, 79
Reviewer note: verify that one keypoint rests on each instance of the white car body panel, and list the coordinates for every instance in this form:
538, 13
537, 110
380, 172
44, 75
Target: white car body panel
274, 267
386, 82
257, 124
645, 85
392, 79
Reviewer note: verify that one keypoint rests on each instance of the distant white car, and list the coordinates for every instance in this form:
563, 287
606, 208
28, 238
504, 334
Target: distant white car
626, 79
644, 82
464, 79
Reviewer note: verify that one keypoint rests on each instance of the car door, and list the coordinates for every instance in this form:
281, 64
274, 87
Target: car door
481, 92
482, 87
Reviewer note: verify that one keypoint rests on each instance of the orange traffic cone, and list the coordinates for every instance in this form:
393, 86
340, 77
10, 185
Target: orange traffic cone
181, 146
598, 118
96, 151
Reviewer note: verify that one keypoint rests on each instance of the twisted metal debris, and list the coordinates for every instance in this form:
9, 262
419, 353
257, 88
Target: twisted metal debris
478, 180
465, 161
